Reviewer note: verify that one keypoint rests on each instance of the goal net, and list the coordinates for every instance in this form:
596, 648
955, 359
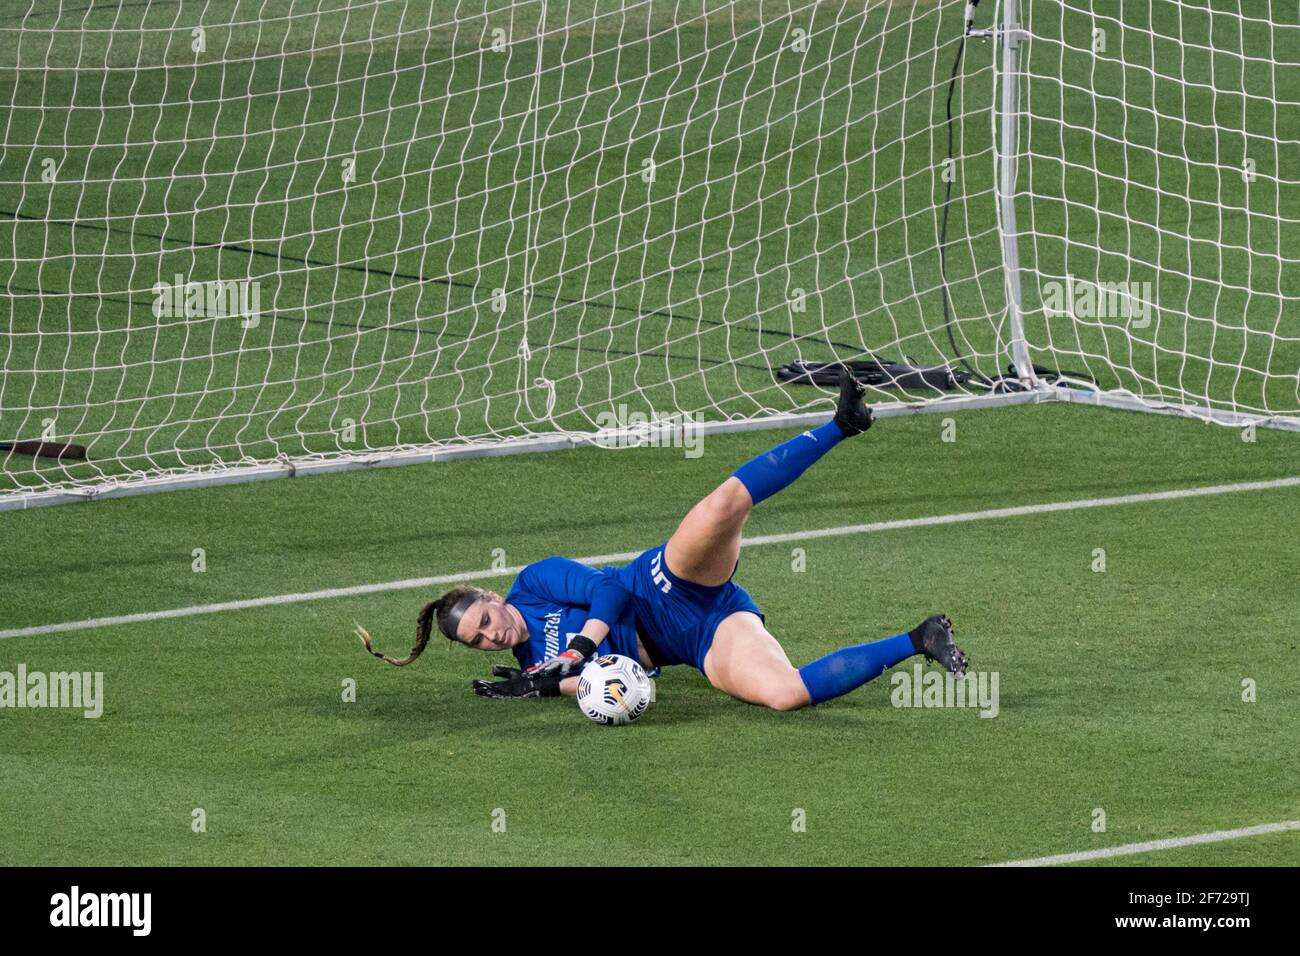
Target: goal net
1159, 201
242, 237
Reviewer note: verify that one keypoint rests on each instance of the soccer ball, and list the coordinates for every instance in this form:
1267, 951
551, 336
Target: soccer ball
613, 690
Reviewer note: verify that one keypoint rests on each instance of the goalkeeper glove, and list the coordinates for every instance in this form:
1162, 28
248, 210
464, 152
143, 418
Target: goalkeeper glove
516, 684
581, 649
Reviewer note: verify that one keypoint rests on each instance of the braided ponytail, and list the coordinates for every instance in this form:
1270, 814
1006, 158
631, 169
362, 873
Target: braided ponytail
439, 611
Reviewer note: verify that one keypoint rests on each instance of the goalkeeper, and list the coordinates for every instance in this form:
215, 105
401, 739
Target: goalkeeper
675, 604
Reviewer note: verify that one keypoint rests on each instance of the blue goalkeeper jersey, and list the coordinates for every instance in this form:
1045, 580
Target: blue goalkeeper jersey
557, 595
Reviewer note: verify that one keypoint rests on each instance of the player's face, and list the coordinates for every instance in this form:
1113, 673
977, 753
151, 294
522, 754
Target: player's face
490, 625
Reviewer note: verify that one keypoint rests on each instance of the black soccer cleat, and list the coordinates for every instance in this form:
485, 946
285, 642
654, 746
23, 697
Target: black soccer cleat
851, 412
933, 638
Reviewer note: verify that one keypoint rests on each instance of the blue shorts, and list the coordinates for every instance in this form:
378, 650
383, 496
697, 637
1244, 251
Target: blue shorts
676, 619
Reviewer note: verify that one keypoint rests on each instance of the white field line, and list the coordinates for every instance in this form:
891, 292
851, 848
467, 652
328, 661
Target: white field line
409, 584
1173, 843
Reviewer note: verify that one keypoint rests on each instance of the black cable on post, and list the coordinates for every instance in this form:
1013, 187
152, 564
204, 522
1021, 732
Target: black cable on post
947, 202
1011, 380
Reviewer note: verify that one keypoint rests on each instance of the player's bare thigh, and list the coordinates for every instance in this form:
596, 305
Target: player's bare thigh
748, 663
706, 545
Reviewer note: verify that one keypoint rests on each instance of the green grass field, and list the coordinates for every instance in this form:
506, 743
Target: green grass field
1119, 690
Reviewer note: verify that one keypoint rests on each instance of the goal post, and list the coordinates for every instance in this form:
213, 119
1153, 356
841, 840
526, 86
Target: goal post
242, 243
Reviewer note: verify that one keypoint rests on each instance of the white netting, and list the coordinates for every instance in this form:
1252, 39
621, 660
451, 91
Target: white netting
1159, 199
468, 221
464, 222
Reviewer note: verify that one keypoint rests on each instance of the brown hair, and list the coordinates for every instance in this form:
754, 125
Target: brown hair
438, 611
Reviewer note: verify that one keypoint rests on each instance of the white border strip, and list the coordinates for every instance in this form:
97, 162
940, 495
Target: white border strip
66, 493
409, 584
1173, 843
1127, 401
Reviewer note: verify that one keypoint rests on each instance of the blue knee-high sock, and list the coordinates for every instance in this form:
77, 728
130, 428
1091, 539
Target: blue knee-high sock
771, 471
850, 667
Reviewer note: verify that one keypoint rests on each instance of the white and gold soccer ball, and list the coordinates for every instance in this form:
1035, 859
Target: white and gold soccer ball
614, 689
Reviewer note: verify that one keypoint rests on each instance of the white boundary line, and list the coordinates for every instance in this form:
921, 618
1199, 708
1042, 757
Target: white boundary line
1173, 843
808, 535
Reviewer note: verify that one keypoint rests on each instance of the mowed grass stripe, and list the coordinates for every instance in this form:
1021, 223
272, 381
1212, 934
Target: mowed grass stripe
869, 528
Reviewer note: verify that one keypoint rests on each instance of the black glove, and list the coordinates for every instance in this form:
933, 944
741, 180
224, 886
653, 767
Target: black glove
516, 684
